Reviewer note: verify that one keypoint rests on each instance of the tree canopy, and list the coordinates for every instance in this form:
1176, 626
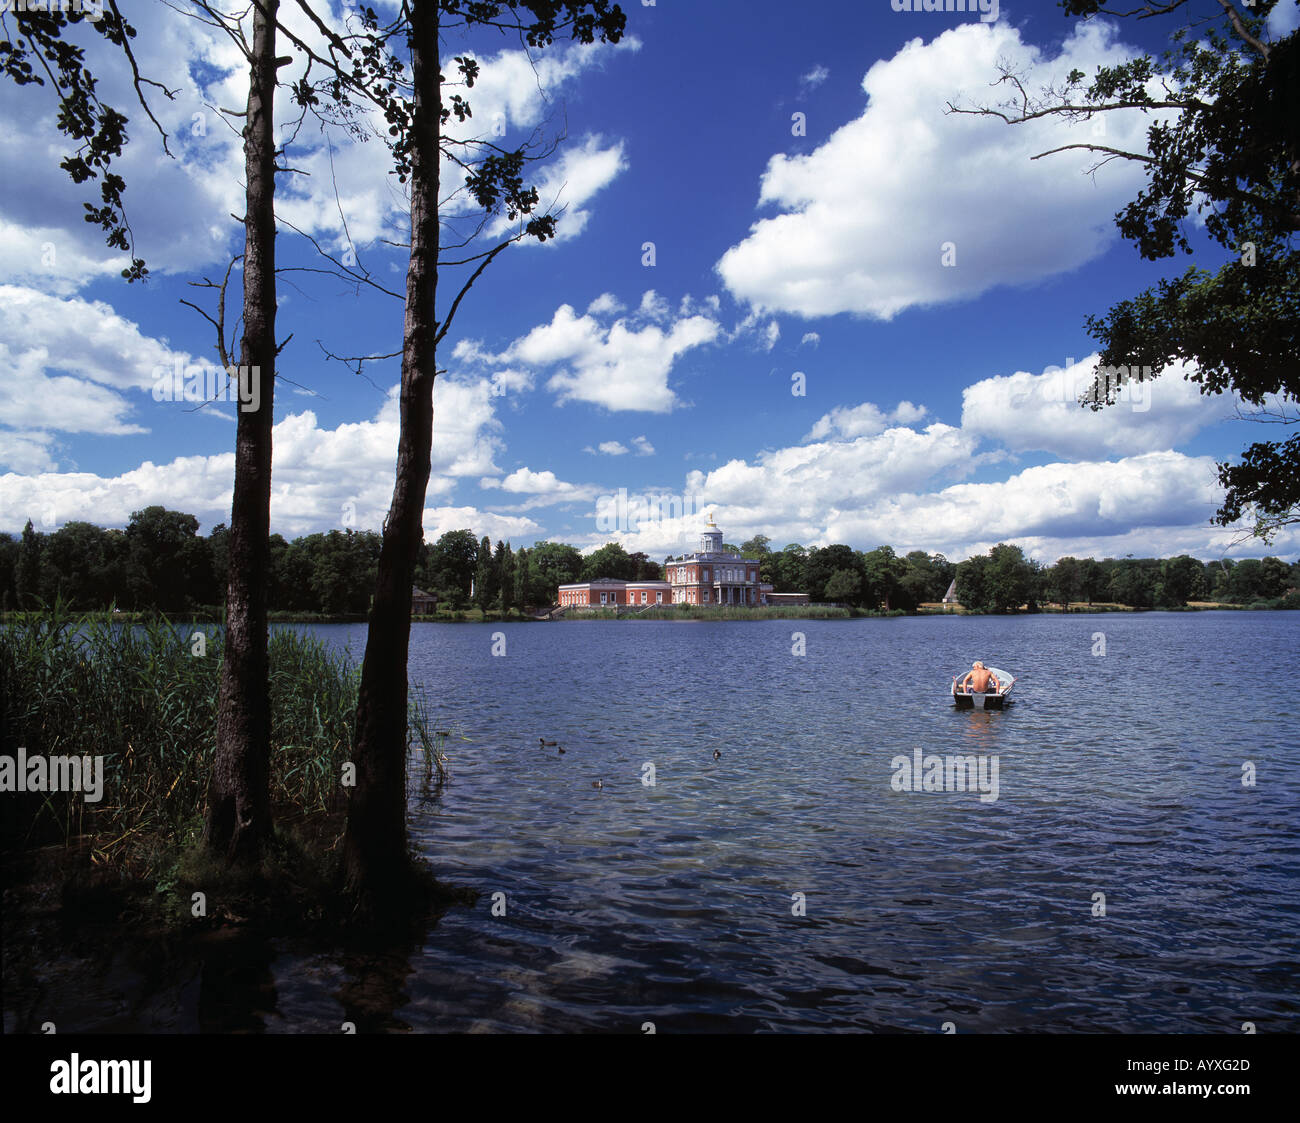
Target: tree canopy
1222, 154
43, 52
161, 562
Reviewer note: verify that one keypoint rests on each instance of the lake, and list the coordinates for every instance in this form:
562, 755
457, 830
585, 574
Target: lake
1122, 879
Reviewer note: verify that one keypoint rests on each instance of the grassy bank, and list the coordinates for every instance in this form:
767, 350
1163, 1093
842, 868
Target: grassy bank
143, 699
124, 883
475, 616
1290, 601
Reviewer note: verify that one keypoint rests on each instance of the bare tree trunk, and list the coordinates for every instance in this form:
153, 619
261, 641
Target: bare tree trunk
376, 862
238, 821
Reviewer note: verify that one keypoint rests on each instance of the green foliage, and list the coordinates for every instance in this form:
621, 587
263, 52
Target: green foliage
27, 574
331, 573
1063, 582
884, 571
1256, 579
503, 564
789, 569
1181, 579
972, 584
822, 564
926, 578
1013, 579
523, 579
376, 82
645, 569
844, 587
43, 50
164, 555
1227, 153
1001, 582
1266, 478
161, 561
485, 582
140, 697
8, 570
611, 560
1092, 580
1133, 582
553, 564
450, 566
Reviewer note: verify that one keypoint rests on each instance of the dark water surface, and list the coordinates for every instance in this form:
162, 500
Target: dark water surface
1118, 774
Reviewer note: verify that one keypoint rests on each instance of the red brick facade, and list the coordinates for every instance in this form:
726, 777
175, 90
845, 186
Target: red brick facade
608, 592
712, 576
709, 576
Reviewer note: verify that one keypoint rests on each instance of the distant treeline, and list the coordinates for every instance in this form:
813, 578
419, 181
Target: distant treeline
1005, 579
160, 562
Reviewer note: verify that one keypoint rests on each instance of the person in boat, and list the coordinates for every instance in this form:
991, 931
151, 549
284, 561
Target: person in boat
978, 679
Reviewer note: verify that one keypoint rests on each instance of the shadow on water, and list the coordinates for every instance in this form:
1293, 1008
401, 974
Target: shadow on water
237, 991
81, 973
375, 988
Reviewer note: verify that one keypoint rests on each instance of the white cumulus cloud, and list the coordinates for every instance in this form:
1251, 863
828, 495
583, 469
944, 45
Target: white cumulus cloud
1040, 412
866, 220
623, 365
319, 473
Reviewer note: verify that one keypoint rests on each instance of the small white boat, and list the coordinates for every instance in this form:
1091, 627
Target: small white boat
968, 699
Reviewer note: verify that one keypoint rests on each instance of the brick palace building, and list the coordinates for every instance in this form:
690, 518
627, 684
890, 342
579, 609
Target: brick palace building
709, 576
712, 576
611, 591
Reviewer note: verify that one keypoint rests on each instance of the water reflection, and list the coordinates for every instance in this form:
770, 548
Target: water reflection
374, 988
980, 728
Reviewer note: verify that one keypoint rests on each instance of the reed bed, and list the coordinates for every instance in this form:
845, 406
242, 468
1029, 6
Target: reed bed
143, 697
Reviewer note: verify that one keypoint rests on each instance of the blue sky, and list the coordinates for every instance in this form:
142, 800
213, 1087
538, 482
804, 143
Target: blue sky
914, 273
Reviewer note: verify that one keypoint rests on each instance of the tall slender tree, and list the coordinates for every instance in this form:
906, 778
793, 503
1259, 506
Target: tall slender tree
238, 823
523, 579
505, 567
27, 577
376, 861
485, 576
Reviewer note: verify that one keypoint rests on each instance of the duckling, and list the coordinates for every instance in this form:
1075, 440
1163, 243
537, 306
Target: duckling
442, 732
561, 750
717, 754
598, 783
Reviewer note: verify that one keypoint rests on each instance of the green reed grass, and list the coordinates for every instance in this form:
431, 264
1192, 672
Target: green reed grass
140, 696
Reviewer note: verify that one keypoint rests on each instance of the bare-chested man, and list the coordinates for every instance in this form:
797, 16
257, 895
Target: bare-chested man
977, 680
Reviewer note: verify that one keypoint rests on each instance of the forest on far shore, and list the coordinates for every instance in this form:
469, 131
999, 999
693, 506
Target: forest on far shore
160, 562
